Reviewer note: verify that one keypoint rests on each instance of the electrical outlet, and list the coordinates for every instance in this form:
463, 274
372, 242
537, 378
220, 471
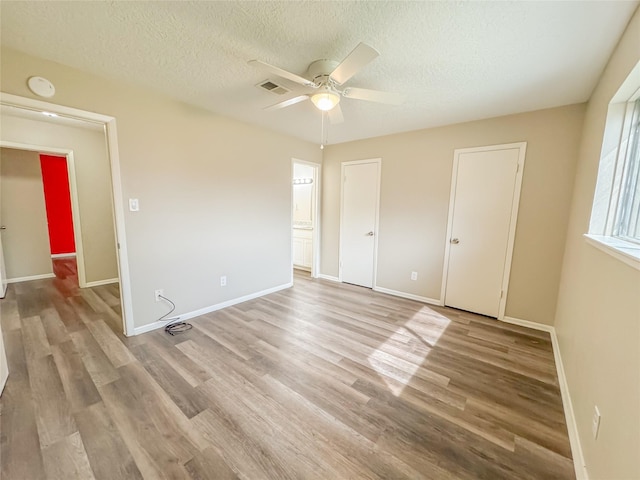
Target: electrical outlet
595, 422
223, 281
414, 275
158, 293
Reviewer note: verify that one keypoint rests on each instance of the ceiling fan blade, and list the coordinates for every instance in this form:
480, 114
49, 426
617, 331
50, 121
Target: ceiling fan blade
359, 57
335, 115
374, 96
283, 73
287, 103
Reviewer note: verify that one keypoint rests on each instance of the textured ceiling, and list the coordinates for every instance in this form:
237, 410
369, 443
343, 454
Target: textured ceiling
456, 61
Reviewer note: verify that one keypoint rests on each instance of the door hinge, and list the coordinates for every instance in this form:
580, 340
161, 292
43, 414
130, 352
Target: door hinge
501, 293
517, 168
118, 245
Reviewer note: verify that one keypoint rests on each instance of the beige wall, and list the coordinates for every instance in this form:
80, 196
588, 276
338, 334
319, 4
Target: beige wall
414, 202
93, 177
598, 315
206, 185
25, 242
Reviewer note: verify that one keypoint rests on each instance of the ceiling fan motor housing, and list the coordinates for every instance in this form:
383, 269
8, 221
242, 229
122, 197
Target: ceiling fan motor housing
320, 70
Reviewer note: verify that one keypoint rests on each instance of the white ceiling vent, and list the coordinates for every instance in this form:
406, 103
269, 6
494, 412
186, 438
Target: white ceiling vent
273, 87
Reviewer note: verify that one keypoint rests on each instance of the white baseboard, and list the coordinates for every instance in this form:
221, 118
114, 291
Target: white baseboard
574, 438
212, 308
32, 277
63, 255
526, 323
409, 296
97, 283
328, 277
572, 427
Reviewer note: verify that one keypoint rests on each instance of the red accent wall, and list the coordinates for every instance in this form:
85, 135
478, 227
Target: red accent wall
57, 200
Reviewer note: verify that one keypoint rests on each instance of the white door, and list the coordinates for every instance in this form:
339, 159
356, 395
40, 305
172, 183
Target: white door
485, 193
359, 220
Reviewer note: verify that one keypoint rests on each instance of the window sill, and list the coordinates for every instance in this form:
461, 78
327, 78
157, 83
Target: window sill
626, 252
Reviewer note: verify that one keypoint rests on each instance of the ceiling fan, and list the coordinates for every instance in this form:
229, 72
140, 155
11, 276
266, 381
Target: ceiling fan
325, 80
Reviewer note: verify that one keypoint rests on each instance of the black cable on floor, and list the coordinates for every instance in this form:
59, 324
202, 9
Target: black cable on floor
175, 327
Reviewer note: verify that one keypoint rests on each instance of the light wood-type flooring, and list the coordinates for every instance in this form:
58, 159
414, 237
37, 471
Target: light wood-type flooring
320, 381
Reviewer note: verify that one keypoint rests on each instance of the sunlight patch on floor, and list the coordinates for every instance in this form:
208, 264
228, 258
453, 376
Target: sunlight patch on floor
398, 359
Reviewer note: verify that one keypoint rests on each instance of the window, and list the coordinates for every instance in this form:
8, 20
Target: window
615, 217
627, 224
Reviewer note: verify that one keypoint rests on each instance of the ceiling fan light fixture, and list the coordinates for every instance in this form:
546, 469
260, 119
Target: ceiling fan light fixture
325, 100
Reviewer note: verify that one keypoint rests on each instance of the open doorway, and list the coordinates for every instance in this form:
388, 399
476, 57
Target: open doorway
304, 204
35, 212
14, 137
44, 231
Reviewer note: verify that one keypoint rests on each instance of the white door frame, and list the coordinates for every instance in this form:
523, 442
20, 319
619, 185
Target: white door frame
116, 188
377, 225
73, 189
522, 146
315, 236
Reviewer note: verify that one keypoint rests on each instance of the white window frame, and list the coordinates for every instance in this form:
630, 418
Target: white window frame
615, 156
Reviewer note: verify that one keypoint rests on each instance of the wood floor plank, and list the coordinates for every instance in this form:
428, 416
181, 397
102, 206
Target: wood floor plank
209, 465
80, 390
53, 410
20, 454
322, 380
54, 327
36, 344
9, 315
190, 371
67, 459
95, 361
113, 348
107, 452
187, 398
154, 458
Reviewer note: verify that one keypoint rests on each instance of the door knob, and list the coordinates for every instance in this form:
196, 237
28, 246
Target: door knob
455, 241
2, 227
370, 234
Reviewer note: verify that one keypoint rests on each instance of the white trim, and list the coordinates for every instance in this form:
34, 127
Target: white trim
522, 147
75, 218
579, 464
410, 296
376, 227
63, 255
212, 308
330, 278
528, 324
119, 227
572, 427
118, 203
626, 252
98, 283
31, 277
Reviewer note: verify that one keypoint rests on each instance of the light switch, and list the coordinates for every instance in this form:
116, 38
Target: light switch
134, 206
